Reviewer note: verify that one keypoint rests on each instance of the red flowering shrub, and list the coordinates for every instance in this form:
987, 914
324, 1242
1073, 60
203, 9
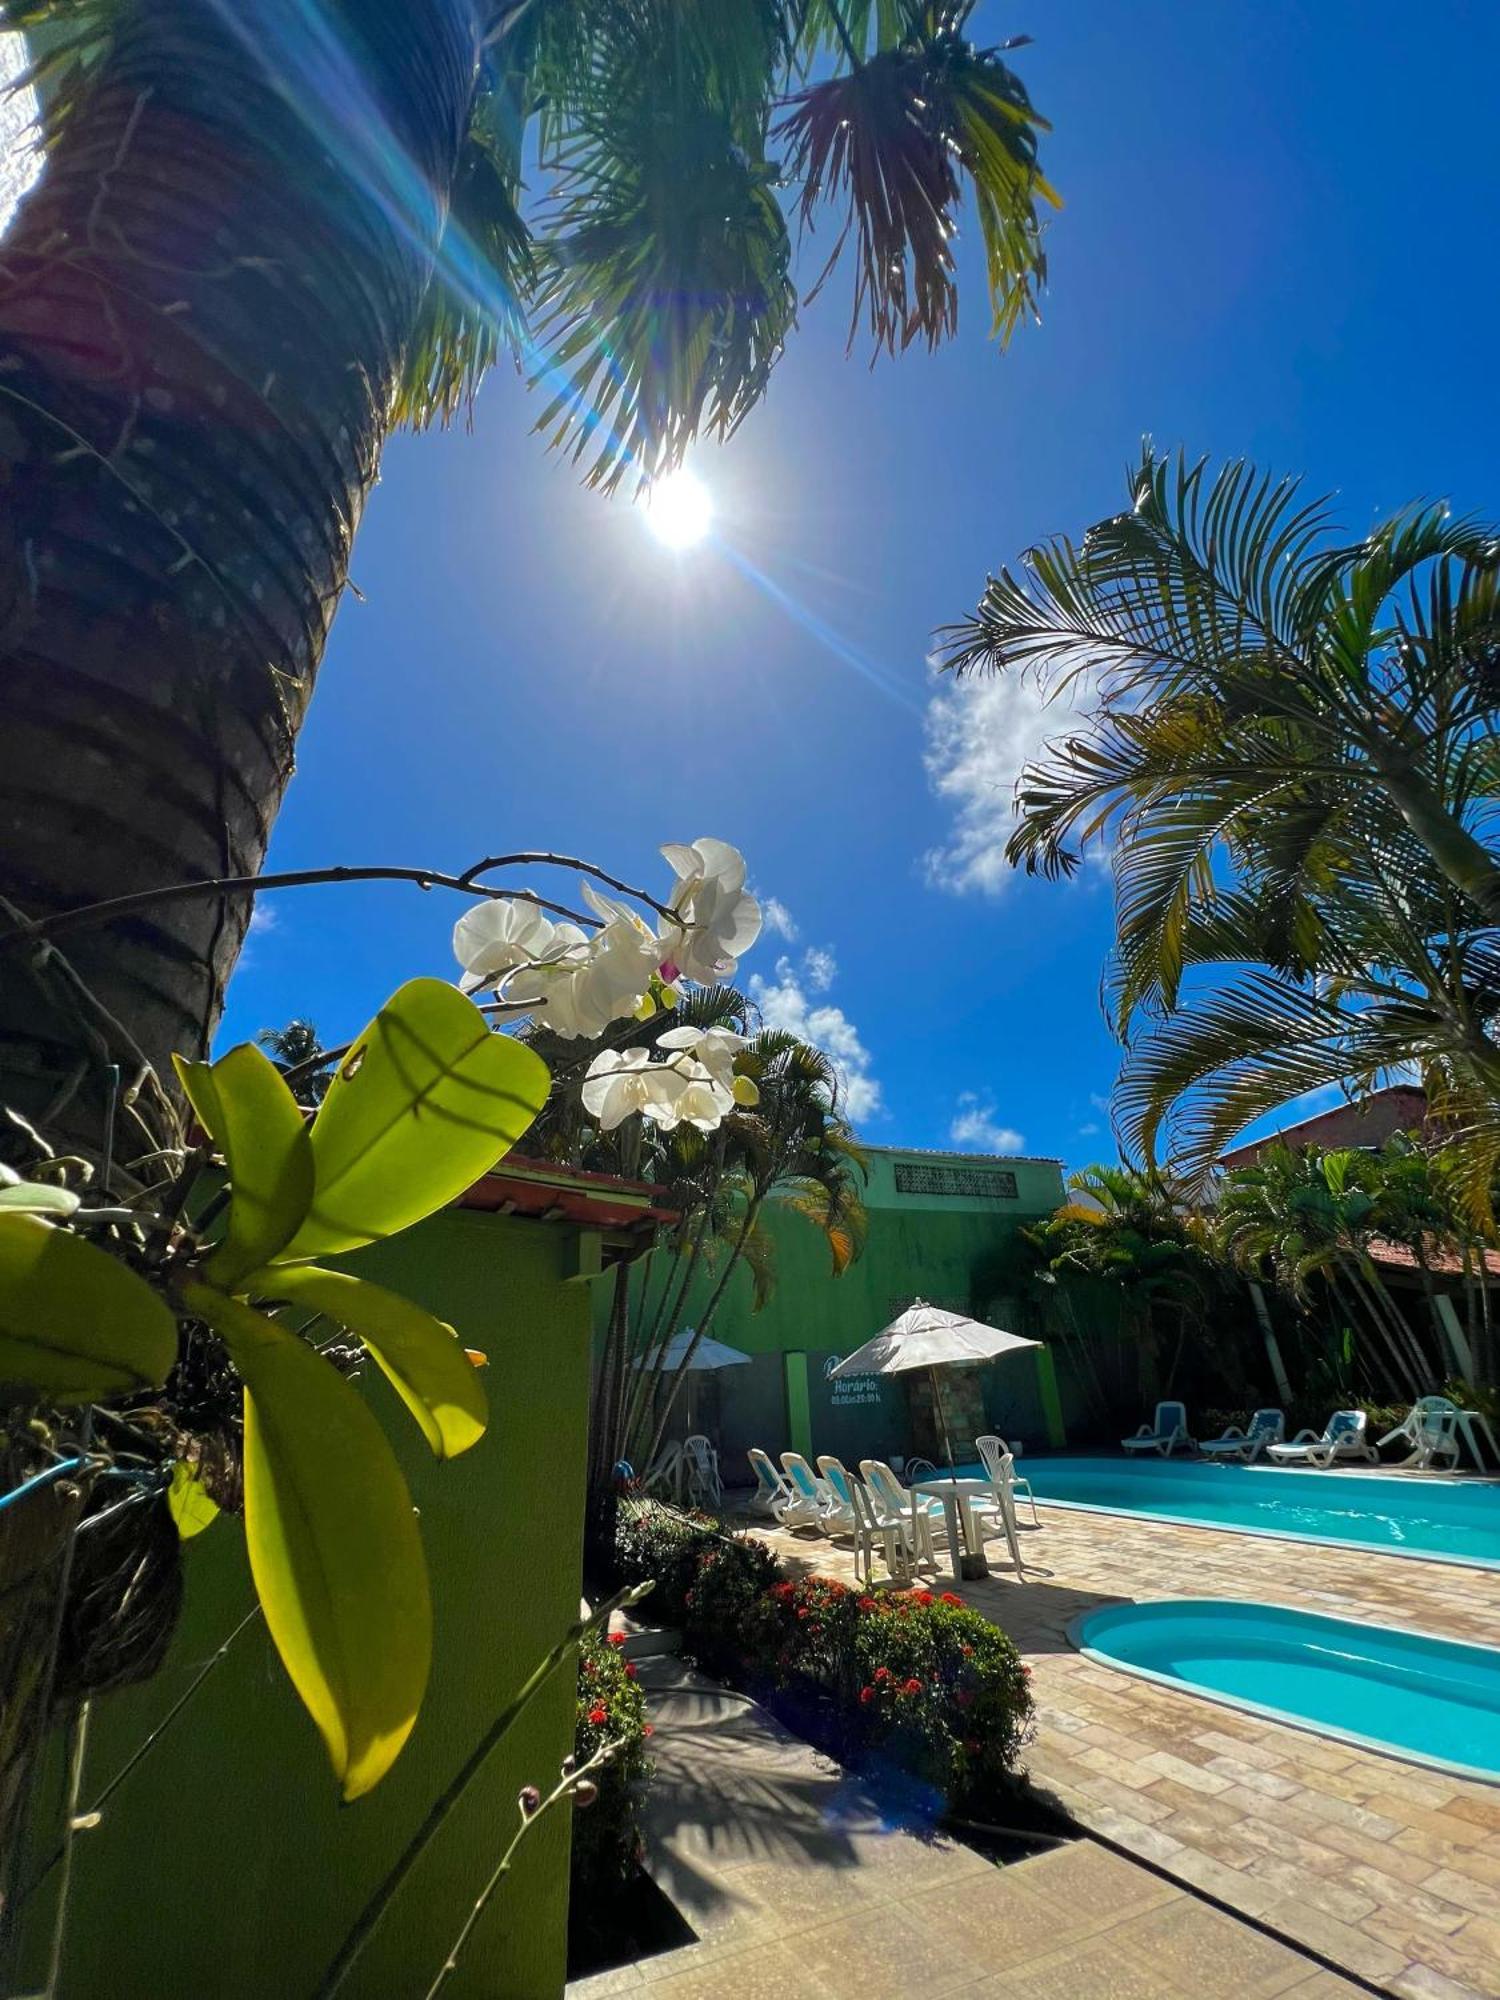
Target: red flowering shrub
800, 1636
611, 1709
949, 1702
909, 1679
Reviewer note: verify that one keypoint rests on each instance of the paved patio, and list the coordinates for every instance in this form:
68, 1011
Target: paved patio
1388, 1869
798, 1891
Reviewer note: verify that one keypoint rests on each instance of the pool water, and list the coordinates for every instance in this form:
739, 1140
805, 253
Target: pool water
1457, 1520
1432, 1699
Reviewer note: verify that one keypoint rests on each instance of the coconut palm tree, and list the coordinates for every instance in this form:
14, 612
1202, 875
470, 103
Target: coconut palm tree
295, 1050
1288, 742
264, 236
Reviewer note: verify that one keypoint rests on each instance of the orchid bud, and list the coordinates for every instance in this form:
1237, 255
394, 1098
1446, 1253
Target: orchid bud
529, 1800
585, 1793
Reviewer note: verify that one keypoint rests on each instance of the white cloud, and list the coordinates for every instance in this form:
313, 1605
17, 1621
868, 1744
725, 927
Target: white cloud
787, 1002
975, 1128
820, 968
980, 735
778, 918
1087, 1131
1099, 1101
263, 918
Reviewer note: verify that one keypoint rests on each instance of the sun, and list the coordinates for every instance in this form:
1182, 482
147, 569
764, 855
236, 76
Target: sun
679, 510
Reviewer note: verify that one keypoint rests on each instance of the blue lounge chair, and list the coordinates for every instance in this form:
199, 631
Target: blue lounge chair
1169, 1430
1343, 1438
1267, 1427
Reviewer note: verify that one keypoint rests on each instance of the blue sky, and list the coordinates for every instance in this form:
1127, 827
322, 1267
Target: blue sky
1277, 241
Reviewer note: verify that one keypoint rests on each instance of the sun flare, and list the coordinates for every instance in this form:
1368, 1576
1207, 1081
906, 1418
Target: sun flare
679, 510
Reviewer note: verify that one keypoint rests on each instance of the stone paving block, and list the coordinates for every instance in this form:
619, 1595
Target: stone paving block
1352, 1949
886, 1951
1194, 1947
1421, 1982
764, 1972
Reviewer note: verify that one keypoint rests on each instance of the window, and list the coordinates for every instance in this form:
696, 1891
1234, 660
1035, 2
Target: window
988, 1183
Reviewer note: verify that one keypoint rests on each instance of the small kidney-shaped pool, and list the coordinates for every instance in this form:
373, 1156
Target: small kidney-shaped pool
1436, 1701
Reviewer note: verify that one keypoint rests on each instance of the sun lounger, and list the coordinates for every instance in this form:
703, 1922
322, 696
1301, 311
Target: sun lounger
1165, 1434
835, 1516
1267, 1427
1343, 1439
775, 1495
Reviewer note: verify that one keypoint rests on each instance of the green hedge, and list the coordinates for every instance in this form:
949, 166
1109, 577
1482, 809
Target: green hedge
903, 1680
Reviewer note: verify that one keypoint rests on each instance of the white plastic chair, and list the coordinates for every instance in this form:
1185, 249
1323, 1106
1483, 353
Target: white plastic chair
1164, 1435
1267, 1427
1430, 1427
1000, 1465
1343, 1438
703, 1479
878, 1526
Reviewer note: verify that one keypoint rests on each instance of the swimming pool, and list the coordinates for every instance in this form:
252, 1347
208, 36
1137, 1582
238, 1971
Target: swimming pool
1434, 1700
1455, 1520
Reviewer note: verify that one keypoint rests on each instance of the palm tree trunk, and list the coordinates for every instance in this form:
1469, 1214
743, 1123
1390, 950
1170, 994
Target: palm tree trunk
705, 1321
203, 309
1394, 1360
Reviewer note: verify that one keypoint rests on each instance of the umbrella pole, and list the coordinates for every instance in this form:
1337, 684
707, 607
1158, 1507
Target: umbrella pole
942, 1417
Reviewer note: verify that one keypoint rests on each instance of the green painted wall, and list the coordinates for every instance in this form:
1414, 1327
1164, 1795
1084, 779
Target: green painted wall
927, 1240
225, 1865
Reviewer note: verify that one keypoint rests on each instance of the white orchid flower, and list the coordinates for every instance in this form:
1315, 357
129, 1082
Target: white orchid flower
620, 1082
700, 1100
715, 921
715, 1048
496, 936
605, 982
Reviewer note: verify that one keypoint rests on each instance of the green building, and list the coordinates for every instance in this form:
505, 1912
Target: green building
938, 1225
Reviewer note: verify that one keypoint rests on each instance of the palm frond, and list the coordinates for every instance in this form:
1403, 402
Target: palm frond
665, 297
474, 308
66, 41
891, 142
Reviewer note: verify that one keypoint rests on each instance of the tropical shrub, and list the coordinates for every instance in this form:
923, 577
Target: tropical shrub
801, 1638
943, 1692
906, 1680
708, 1583
611, 1709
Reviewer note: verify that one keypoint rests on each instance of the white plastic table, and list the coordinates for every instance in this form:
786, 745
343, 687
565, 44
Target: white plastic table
958, 1497
1469, 1426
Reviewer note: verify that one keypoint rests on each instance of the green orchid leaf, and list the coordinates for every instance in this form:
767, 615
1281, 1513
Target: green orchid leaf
426, 1101
189, 1503
76, 1325
423, 1356
244, 1104
333, 1543
36, 1198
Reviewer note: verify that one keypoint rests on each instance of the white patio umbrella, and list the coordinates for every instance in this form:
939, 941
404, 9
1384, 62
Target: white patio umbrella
926, 1336
709, 1354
